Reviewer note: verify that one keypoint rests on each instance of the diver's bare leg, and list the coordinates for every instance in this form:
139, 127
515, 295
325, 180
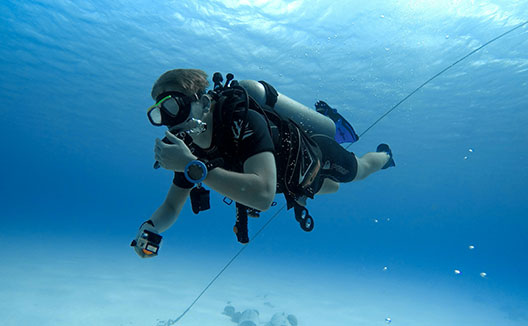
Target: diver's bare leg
329, 187
370, 163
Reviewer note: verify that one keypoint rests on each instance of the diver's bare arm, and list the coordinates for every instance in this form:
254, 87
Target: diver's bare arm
254, 188
165, 216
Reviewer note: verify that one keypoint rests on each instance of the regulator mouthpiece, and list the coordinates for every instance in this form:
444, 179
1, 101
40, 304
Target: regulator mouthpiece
198, 127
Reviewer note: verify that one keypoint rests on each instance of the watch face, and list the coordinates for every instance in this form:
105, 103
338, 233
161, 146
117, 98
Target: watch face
195, 172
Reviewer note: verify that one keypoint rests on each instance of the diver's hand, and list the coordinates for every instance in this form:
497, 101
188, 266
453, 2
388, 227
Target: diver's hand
173, 156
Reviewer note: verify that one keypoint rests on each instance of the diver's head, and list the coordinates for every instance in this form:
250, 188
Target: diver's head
185, 81
180, 98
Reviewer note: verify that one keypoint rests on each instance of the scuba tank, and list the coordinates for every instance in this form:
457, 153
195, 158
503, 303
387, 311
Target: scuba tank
311, 121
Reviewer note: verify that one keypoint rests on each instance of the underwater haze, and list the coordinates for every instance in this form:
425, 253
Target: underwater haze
440, 239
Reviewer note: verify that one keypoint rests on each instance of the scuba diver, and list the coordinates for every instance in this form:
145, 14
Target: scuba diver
247, 142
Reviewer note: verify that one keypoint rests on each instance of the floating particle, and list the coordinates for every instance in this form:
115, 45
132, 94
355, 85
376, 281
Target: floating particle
471, 247
388, 320
385, 268
470, 150
465, 157
382, 16
387, 49
447, 36
388, 219
375, 220
483, 275
457, 272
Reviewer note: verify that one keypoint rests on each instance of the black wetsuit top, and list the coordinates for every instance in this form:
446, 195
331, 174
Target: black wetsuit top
256, 139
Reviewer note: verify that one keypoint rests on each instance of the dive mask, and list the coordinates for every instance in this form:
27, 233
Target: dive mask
171, 110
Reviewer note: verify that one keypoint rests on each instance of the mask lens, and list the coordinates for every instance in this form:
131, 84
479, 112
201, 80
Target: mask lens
171, 106
155, 116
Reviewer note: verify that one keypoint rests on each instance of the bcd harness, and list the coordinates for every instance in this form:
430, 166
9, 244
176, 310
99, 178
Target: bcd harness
297, 156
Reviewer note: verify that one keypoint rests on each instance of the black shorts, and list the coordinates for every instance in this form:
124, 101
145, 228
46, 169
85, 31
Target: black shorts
337, 163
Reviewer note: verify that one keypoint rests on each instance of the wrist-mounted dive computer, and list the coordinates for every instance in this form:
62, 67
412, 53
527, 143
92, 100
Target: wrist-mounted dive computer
195, 171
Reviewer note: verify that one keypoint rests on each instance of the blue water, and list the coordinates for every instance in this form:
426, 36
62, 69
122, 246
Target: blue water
77, 181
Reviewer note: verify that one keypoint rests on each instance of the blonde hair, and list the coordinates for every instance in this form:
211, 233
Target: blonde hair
186, 81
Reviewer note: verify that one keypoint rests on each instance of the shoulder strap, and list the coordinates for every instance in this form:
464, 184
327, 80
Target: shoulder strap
231, 101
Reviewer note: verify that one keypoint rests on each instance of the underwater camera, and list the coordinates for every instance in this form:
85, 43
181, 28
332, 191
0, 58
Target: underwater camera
148, 241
